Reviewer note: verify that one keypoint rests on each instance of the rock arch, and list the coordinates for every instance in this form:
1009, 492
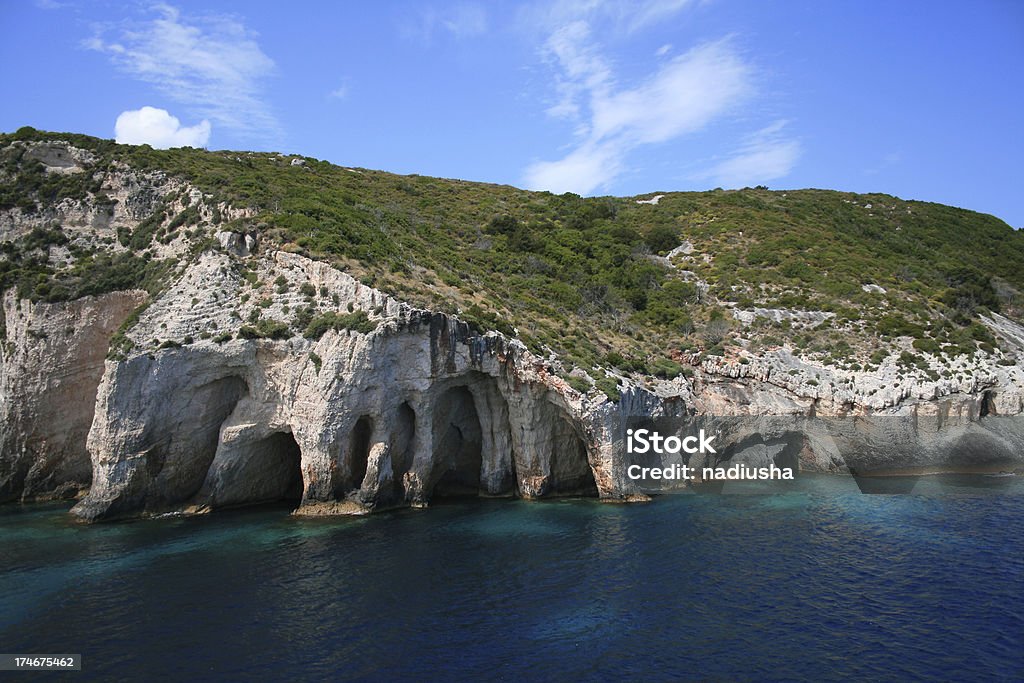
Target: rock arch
571, 474
182, 452
403, 444
457, 445
552, 458
360, 440
264, 470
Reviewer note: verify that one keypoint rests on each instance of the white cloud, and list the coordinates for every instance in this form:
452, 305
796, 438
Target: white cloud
683, 95
764, 156
211, 64
465, 20
581, 68
623, 16
583, 170
156, 127
652, 12
339, 93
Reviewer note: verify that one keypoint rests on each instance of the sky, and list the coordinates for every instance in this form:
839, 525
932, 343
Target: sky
922, 99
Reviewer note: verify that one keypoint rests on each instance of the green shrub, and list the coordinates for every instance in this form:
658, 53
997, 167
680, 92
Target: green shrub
578, 383
357, 321
666, 369
610, 387
265, 329
895, 325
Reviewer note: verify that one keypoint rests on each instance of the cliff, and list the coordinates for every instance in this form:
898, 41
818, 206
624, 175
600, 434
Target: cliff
50, 367
227, 367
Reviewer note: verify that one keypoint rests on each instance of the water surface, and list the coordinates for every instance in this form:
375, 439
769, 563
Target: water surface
815, 582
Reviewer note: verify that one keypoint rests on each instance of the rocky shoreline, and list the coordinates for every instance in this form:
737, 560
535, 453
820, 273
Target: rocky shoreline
259, 374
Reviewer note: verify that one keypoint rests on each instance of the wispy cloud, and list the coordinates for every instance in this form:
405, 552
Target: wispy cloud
580, 68
211, 64
589, 166
682, 96
645, 14
465, 20
764, 156
622, 17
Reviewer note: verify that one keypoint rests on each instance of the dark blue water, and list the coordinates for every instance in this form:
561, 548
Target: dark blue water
820, 582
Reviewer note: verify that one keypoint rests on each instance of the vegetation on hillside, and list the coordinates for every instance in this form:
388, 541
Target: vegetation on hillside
586, 278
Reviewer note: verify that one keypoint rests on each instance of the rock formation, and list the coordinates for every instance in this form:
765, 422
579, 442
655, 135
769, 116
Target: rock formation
422, 407
51, 365
211, 396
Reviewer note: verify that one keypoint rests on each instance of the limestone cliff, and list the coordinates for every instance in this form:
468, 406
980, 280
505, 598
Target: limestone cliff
247, 372
51, 363
421, 406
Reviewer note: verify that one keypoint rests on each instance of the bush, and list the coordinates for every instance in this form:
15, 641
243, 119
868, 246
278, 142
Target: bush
666, 369
357, 321
265, 329
928, 346
578, 383
610, 387
663, 238
897, 326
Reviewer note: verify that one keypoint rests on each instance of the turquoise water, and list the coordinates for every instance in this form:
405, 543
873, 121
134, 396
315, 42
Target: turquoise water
815, 583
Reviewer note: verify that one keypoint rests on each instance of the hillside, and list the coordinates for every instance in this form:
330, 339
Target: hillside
839, 279
186, 330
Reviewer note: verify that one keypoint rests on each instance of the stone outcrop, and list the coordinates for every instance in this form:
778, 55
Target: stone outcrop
51, 363
213, 396
418, 408
423, 407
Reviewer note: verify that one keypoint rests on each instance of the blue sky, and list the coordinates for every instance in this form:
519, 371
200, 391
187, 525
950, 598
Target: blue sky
921, 99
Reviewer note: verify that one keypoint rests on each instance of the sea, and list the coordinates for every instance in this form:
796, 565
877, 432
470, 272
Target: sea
812, 581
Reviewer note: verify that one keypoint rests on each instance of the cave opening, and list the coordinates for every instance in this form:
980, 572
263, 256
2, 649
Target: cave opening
788, 458
359, 451
988, 404
191, 443
404, 437
571, 474
458, 441
271, 473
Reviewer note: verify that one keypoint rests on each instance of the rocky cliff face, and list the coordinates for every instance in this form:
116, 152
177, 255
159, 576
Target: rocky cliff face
50, 366
416, 408
261, 375
421, 406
